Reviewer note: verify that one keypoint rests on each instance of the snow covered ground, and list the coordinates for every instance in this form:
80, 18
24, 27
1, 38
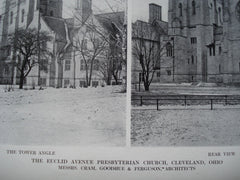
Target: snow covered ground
92, 117
185, 126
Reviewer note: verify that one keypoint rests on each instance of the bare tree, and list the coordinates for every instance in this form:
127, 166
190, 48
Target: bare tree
109, 31
26, 43
148, 49
90, 46
112, 64
105, 68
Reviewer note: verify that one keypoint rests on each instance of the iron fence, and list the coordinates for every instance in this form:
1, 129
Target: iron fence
185, 100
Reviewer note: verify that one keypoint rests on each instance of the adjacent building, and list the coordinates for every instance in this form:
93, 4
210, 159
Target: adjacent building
65, 66
203, 38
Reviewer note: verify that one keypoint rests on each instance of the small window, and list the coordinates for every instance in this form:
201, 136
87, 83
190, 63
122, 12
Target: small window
0, 19
66, 83
83, 84
43, 81
67, 65
51, 13
192, 59
23, 14
94, 83
169, 73
212, 50
169, 50
193, 40
158, 74
220, 50
44, 65
188, 61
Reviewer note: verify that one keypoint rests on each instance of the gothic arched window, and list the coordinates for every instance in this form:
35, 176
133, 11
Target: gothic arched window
23, 14
11, 17
180, 9
169, 50
193, 7
51, 13
220, 14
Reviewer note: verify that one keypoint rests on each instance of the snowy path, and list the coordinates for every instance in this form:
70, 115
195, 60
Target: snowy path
190, 126
94, 117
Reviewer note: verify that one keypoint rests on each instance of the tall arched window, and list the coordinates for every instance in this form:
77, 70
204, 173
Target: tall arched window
180, 9
11, 17
193, 7
51, 13
220, 14
169, 50
23, 14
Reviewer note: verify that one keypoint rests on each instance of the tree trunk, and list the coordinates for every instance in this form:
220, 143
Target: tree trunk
21, 80
146, 86
60, 75
86, 75
109, 80
90, 73
116, 79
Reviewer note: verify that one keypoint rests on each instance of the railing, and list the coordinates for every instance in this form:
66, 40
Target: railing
185, 100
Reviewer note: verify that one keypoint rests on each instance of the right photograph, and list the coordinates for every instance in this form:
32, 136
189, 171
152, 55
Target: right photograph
185, 88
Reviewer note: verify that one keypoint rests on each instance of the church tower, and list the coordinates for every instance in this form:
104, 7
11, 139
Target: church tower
51, 8
83, 10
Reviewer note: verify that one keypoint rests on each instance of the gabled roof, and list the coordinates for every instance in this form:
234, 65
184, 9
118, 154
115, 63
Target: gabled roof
57, 25
111, 21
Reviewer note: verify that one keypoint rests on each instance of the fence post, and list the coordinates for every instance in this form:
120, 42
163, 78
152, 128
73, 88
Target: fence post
157, 105
141, 101
211, 104
185, 100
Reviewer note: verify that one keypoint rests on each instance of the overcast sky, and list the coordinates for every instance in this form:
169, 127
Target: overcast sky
140, 9
99, 6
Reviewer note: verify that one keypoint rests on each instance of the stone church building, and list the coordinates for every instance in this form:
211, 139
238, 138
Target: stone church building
202, 42
65, 67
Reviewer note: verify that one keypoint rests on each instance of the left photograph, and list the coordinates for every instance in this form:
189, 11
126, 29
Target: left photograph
63, 72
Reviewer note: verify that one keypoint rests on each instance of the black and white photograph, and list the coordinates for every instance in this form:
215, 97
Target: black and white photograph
185, 73
63, 72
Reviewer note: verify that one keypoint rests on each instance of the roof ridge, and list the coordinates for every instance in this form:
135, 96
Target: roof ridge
109, 13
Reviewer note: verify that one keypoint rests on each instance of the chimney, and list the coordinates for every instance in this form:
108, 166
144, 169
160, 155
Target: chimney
155, 12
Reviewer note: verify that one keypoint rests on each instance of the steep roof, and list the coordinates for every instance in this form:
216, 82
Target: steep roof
57, 25
149, 30
111, 21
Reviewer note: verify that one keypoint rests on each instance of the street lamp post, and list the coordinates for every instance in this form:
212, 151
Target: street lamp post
173, 59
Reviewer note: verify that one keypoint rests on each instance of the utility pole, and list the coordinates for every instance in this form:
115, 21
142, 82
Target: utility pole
173, 59
74, 69
14, 58
39, 58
